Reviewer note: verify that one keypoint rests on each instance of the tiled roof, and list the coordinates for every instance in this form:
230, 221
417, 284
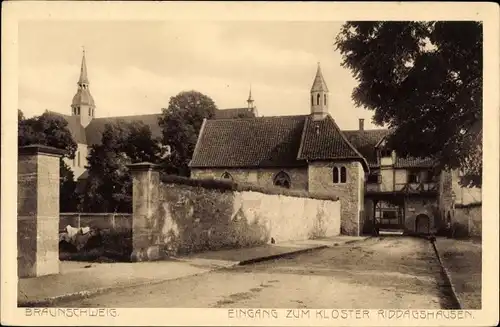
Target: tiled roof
250, 142
95, 129
74, 126
280, 141
234, 113
93, 132
414, 163
323, 140
364, 141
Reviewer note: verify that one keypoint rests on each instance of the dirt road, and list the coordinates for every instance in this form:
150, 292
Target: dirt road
386, 272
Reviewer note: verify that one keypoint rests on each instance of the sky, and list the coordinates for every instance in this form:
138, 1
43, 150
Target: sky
134, 67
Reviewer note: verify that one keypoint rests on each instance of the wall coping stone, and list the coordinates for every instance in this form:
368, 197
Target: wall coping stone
35, 149
143, 166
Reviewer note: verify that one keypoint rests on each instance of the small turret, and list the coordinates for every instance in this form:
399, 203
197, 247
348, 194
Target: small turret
319, 96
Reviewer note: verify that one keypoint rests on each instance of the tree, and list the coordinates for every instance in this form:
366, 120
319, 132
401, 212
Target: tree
424, 81
181, 123
51, 130
109, 184
48, 129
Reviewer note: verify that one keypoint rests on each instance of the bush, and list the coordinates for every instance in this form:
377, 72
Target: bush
225, 186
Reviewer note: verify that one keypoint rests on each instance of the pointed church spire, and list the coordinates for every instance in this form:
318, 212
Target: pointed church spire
83, 104
319, 96
250, 100
83, 70
319, 84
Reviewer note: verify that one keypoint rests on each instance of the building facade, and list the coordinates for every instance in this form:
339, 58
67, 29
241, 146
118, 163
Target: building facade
377, 188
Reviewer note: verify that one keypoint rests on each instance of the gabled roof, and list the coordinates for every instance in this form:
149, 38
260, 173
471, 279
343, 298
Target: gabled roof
323, 140
280, 141
92, 134
250, 142
76, 129
365, 141
96, 126
231, 113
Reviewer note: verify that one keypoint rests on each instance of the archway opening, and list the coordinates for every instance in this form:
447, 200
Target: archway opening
423, 224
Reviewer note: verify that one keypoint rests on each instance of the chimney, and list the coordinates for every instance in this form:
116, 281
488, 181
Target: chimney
361, 124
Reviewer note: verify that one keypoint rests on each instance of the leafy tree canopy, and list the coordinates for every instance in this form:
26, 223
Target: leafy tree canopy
51, 130
109, 184
423, 80
48, 129
181, 123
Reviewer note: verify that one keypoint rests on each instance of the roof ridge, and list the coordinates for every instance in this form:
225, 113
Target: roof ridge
347, 141
260, 118
302, 137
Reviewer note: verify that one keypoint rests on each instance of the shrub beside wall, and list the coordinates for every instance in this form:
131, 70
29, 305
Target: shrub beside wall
222, 185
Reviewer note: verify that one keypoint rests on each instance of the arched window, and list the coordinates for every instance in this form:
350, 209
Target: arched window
324, 97
282, 180
318, 98
227, 175
343, 175
339, 175
335, 175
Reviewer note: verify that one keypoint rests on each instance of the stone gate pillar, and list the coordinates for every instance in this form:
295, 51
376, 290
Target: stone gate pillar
146, 181
38, 211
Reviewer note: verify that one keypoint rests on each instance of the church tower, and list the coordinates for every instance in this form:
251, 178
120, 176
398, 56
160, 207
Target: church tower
83, 104
250, 101
319, 96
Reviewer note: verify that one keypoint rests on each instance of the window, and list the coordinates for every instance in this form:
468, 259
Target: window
385, 153
312, 100
339, 175
335, 175
78, 154
282, 180
318, 98
343, 174
227, 175
374, 177
413, 177
324, 97
90, 111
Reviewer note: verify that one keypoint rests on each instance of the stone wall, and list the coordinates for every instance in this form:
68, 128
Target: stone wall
107, 221
176, 218
321, 180
420, 206
467, 221
263, 177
